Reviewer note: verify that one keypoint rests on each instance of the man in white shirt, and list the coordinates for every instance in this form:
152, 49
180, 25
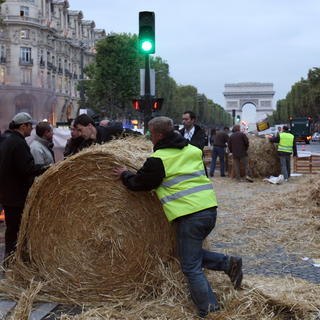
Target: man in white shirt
191, 131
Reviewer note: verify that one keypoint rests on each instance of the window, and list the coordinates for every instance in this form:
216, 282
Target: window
25, 55
24, 11
2, 54
25, 34
26, 76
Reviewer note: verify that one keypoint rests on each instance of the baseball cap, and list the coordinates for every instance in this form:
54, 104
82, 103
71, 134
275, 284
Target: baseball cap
23, 117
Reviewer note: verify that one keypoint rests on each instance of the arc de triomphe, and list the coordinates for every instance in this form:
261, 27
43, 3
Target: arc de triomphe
237, 95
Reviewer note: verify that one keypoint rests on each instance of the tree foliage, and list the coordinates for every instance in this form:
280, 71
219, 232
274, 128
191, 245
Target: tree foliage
113, 81
303, 100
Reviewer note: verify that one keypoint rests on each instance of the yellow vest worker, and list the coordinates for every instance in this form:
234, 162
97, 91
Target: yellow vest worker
177, 172
186, 188
286, 142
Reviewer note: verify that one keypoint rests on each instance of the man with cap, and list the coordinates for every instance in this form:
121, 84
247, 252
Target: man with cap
17, 172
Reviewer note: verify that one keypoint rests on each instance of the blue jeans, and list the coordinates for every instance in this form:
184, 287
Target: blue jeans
217, 152
285, 165
191, 231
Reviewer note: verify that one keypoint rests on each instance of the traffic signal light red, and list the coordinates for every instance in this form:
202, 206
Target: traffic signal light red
136, 104
157, 104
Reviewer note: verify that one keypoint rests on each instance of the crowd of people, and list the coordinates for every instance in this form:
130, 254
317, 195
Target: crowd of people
175, 170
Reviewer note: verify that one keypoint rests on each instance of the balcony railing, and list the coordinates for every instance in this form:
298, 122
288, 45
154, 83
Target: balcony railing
67, 73
54, 69
24, 62
75, 76
60, 71
42, 64
3, 60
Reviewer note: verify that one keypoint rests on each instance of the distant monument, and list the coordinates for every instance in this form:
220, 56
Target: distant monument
237, 95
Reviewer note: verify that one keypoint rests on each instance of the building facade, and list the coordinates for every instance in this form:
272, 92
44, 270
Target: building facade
44, 47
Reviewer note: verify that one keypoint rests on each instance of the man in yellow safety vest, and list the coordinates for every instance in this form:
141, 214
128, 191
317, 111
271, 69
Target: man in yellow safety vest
176, 171
286, 146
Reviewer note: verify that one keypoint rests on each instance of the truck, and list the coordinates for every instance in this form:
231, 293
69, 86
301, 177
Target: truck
301, 128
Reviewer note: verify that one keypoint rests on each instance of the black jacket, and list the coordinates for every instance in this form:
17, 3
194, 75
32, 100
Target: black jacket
152, 173
17, 170
72, 146
199, 137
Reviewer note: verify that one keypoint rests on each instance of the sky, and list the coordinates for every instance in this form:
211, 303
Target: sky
208, 43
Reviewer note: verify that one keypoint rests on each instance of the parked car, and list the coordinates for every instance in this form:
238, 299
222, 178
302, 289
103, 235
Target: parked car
316, 136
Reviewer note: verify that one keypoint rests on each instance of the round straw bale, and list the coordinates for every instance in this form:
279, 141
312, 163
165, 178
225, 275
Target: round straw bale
89, 236
263, 158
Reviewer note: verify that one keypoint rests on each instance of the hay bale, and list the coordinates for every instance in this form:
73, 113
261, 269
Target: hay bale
88, 236
263, 158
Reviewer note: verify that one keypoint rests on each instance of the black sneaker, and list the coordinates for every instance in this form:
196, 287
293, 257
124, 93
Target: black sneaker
212, 308
235, 271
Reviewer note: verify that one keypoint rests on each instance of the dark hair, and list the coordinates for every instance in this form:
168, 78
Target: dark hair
42, 128
226, 128
84, 120
191, 114
285, 128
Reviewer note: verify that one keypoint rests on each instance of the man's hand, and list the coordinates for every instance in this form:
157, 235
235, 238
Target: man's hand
117, 172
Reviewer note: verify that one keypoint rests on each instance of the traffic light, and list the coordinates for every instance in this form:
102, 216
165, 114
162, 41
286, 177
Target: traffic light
157, 104
238, 119
147, 42
138, 104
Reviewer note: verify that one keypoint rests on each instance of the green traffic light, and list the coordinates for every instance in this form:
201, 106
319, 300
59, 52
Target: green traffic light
146, 45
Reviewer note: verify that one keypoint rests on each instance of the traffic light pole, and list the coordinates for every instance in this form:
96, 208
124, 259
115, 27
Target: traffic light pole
147, 94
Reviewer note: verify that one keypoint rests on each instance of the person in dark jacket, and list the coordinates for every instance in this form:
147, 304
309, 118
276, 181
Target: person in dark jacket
17, 172
192, 131
95, 134
176, 171
73, 145
219, 148
238, 145
287, 146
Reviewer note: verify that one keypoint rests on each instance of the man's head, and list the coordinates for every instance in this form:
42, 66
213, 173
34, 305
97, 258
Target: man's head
236, 128
188, 120
285, 129
226, 129
160, 127
44, 130
22, 122
86, 127
73, 131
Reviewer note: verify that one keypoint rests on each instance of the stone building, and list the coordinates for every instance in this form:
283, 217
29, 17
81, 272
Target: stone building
43, 49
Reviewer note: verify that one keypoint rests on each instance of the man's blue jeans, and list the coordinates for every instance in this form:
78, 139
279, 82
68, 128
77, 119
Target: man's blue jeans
285, 166
217, 152
191, 231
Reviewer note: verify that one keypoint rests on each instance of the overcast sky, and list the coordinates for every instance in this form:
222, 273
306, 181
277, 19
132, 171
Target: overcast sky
208, 43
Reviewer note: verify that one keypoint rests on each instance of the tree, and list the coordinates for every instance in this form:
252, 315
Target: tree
114, 76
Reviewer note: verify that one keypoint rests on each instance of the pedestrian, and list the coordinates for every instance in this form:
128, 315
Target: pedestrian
95, 134
287, 146
17, 172
191, 131
238, 145
74, 144
219, 149
176, 171
42, 146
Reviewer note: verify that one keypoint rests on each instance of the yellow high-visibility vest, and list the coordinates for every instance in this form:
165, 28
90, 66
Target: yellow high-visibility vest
286, 142
186, 188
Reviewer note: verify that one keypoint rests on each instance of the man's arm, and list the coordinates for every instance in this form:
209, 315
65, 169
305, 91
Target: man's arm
295, 152
275, 139
147, 178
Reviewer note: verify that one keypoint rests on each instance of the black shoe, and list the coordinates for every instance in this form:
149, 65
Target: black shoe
223, 175
213, 308
235, 271
211, 175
